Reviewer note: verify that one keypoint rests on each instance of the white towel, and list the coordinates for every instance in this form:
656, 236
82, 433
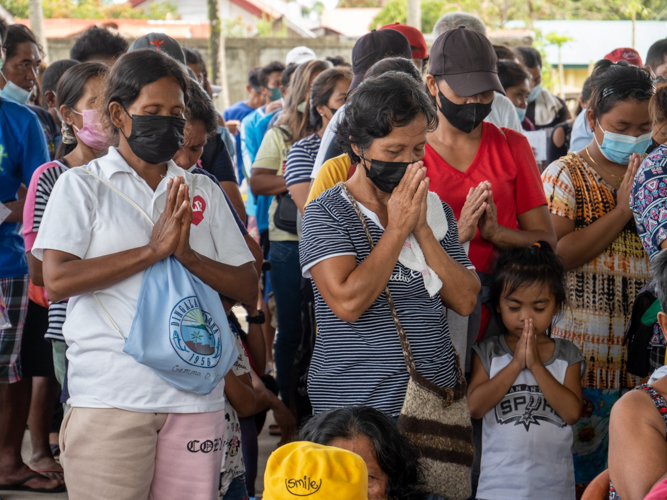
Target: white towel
658, 374
412, 256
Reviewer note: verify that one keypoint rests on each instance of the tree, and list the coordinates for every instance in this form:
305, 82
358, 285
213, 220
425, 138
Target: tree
359, 3
559, 41
92, 9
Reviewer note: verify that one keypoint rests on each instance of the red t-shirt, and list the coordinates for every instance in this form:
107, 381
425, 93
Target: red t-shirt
659, 492
507, 162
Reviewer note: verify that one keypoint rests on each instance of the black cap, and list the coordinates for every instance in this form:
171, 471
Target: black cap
375, 46
160, 42
467, 61
253, 79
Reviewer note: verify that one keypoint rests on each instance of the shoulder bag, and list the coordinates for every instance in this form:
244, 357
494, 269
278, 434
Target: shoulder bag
435, 419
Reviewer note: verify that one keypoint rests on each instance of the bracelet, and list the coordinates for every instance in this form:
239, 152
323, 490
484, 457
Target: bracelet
260, 319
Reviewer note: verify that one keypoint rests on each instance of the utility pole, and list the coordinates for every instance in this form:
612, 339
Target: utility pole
36, 13
223, 98
415, 13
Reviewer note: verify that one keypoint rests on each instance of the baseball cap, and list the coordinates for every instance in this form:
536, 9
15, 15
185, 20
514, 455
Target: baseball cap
253, 81
299, 55
631, 56
467, 61
304, 469
375, 46
414, 36
160, 42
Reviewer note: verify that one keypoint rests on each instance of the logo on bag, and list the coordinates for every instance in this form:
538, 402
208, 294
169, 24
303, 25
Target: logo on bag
198, 209
194, 335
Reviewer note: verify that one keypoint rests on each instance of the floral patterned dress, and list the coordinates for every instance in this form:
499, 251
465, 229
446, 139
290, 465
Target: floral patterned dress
601, 294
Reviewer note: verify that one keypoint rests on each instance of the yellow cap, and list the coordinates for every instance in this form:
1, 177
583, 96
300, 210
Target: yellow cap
317, 472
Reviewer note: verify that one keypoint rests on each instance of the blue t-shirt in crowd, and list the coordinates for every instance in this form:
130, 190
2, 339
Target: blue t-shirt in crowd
238, 112
253, 129
22, 150
581, 132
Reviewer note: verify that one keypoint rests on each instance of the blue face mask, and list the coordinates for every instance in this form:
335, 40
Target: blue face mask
618, 148
534, 93
521, 112
13, 92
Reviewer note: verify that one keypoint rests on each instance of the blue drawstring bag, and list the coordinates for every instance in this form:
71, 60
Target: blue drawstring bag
180, 328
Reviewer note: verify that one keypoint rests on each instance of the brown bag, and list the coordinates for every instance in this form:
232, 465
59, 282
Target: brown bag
435, 419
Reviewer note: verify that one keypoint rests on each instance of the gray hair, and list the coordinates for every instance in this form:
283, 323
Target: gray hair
453, 20
659, 275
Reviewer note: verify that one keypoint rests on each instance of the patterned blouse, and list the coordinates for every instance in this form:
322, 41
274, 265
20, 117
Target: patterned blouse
602, 291
661, 406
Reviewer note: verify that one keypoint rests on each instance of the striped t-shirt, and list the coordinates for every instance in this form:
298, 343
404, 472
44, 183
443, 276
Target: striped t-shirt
362, 363
300, 160
39, 191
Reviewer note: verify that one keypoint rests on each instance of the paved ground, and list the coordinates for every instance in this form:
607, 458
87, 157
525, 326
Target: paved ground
266, 445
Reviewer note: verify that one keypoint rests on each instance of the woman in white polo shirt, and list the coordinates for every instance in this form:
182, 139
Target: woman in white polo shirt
130, 434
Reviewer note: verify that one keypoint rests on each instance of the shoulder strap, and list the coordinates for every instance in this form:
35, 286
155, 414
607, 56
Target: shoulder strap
405, 343
126, 197
658, 400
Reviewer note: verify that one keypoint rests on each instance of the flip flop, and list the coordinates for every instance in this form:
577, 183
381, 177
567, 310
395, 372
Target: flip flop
20, 486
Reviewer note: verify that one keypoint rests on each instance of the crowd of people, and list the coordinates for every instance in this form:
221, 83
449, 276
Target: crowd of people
366, 252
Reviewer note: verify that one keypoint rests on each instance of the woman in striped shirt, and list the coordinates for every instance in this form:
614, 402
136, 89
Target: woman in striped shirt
358, 358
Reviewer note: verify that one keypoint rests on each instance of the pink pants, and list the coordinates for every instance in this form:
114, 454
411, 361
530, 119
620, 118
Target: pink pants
116, 454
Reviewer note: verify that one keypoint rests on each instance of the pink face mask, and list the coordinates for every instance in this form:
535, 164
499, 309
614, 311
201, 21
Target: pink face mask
90, 134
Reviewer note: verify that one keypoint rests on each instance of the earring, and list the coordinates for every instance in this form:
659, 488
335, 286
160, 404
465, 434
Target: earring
321, 114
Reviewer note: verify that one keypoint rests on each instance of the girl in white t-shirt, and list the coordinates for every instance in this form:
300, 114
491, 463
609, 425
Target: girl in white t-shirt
525, 385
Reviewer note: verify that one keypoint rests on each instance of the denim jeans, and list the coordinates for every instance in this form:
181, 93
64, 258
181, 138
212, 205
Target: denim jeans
237, 490
286, 284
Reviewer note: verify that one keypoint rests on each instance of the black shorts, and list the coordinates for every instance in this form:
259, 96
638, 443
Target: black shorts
36, 351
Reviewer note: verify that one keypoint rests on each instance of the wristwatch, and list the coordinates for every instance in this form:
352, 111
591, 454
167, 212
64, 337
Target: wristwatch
260, 319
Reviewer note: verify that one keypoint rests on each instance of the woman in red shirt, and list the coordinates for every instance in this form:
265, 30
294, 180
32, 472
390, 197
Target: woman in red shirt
486, 174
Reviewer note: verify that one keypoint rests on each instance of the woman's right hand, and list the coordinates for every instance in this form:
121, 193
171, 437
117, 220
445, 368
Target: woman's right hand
167, 230
623, 192
471, 212
405, 203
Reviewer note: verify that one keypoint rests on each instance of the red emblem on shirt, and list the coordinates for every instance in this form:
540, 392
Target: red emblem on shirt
198, 209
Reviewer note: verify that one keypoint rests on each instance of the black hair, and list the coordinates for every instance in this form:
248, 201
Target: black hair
54, 72
252, 78
656, 54
338, 61
503, 52
98, 42
615, 82
394, 453
322, 89
265, 72
3, 30
511, 73
586, 90
400, 64
286, 77
659, 276
70, 90
193, 56
136, 69
517, 267
378, 105
530, 55
200, 108
16, 35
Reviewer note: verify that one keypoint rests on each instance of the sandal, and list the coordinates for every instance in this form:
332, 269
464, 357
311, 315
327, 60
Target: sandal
20, 486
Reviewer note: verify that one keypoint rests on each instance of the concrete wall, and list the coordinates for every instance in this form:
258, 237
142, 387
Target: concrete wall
243, 54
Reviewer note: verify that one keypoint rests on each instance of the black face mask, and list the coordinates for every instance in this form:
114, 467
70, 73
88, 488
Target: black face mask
654, 145
465, 117
156, 139
386, 175
333, 110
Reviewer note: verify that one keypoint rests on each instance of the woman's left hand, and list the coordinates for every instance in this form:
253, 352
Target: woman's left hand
183, 250
423, 229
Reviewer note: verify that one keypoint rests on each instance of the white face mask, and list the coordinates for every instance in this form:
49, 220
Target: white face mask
13, 92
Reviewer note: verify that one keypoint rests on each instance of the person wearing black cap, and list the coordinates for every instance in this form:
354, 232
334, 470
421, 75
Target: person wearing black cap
487, 174
368, 50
